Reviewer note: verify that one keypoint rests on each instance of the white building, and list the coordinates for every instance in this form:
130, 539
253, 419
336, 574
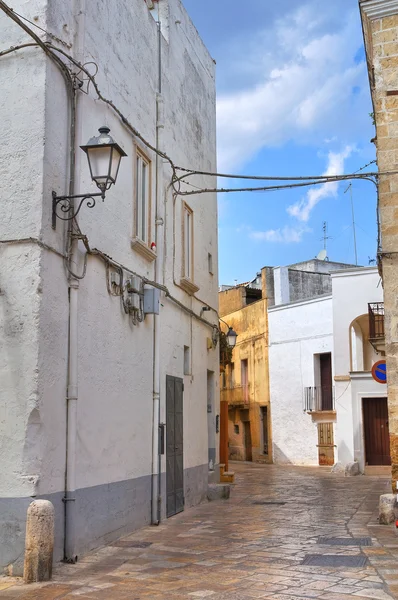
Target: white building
86, 380
361, 402
326, 407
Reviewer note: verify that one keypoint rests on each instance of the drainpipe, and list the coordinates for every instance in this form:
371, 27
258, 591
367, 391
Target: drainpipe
72, 381
72, 395
156, 456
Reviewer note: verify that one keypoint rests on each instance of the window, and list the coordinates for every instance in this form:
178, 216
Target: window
141, 212
244, 377
187, 361
187, 249
142, 206
231, 376
188, 243
236, 429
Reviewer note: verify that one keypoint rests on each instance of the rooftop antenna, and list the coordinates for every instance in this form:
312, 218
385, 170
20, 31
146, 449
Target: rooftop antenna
323, 254
353, 223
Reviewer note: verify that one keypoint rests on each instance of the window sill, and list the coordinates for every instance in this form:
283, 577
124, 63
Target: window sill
188, 286
141, 247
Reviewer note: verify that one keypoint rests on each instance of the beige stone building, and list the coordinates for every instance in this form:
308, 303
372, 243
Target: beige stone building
244, 382
380, 26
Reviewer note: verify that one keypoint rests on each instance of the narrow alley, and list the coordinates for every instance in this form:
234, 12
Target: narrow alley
285, 533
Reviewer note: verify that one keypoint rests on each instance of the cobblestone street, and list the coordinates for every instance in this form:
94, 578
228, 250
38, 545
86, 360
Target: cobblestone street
251, 546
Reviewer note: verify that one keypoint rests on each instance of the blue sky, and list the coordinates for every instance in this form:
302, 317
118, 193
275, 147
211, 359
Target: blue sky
293, 99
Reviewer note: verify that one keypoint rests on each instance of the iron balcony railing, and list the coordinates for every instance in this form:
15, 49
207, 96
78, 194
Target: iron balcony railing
237, 395
376, 320
318, 399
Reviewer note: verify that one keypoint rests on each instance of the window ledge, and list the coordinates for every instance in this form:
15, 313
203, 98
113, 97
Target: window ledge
188, 286
141, 247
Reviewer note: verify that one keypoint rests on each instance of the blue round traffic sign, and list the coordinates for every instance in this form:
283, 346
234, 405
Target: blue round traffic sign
379, 371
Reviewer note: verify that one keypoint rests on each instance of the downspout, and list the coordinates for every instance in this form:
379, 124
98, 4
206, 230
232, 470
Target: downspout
71, 390
70, 554
156, 456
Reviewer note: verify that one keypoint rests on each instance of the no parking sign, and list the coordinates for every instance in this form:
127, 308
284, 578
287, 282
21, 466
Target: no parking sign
379, 371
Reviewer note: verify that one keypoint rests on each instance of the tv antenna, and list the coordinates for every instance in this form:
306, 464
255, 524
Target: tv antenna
353, 223
325, 239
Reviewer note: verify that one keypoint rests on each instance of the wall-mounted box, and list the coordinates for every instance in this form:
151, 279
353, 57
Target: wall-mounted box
151, 301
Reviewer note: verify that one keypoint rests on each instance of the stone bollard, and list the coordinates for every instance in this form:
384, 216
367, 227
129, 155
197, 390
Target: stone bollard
386, 509
39, 543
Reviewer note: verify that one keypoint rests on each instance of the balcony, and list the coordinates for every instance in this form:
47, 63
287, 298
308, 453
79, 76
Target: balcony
236, 396
376, 326
319, 403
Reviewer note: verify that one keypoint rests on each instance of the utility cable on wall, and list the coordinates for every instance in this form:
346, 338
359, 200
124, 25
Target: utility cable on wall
307, 180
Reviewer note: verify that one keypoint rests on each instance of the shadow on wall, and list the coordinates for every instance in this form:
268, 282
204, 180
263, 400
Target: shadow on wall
279, 456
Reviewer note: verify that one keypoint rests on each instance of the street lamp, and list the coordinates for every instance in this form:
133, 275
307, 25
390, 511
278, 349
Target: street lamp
231, 335
104, 156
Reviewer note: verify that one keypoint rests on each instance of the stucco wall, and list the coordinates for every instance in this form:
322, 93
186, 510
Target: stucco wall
296, 333
352, 291
114, 441
251, 324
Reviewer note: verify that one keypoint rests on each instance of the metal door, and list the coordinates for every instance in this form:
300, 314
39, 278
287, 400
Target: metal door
377, 437
174, 446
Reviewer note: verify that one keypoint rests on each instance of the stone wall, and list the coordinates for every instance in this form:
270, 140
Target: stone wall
380, 21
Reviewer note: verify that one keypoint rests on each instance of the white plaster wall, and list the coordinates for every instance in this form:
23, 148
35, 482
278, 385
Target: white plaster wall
353, 289
22, 81
296, 332
115, 359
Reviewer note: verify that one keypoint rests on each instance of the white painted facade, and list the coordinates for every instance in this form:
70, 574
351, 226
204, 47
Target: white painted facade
115, 404
300, 331
297, 332
353, 289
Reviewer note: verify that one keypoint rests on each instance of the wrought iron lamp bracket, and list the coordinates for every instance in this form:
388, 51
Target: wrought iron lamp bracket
67, 207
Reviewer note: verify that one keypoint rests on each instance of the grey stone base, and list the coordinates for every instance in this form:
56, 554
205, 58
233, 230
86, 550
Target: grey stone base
218, 491
103, 513
195, 485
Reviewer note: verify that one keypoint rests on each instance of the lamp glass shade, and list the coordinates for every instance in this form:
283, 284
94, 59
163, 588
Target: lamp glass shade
231, 337
100, 162
115, 163
104, 156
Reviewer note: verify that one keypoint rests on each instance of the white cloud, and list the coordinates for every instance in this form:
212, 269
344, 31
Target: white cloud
305, 94
302, 209
285, 235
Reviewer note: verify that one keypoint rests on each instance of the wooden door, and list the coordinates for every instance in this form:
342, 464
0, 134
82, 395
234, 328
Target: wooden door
377, 437
248, 441
326, 381
325, 444
174, 446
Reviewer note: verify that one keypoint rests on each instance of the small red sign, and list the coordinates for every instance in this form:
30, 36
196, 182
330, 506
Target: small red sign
379, 371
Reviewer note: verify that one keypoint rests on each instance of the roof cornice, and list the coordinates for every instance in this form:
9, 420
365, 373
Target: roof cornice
376, 9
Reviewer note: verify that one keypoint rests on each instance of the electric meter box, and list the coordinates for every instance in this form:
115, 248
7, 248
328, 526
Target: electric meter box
151, 301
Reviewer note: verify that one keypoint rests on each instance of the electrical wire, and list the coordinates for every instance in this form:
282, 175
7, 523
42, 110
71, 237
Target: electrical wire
314, 179
51, 35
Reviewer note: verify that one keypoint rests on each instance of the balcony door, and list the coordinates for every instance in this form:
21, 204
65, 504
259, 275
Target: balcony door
326, 381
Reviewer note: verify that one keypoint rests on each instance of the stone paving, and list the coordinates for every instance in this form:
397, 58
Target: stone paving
246, 547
